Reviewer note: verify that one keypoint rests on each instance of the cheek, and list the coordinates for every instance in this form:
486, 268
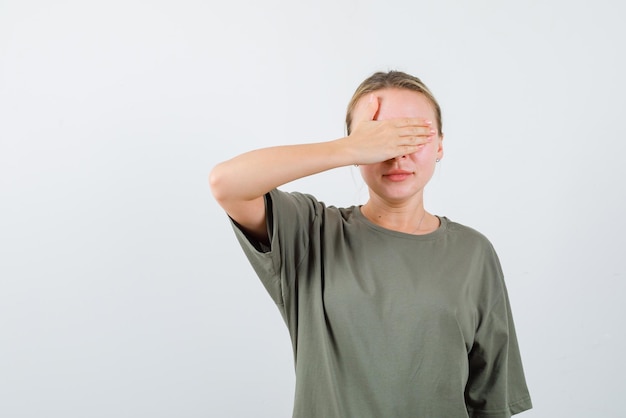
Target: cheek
425, 152
365, 171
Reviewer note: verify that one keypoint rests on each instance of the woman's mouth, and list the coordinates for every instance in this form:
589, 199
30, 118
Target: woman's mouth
397, 175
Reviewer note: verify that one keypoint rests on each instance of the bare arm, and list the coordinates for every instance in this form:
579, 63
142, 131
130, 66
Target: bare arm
239, 184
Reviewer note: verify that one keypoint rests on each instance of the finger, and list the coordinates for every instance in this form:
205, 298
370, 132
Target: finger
367, 109
417, 131
417, 141
406, 122
421, 135
372, 107
409, 149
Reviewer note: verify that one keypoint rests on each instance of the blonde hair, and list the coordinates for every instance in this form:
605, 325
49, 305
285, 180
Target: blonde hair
392, 79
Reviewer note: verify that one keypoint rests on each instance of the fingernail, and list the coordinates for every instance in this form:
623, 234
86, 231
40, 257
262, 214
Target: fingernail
429, 122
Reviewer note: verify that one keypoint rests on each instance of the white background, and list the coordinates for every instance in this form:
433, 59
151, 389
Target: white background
123, 292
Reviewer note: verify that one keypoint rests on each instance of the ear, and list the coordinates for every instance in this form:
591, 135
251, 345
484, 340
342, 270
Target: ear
440, 148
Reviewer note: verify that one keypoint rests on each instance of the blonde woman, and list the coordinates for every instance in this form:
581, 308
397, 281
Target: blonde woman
392, 311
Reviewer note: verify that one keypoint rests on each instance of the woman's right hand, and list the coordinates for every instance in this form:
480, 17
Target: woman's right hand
240, 183
372, 141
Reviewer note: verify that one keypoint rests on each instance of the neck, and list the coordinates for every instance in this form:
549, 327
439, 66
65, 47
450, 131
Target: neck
409, 217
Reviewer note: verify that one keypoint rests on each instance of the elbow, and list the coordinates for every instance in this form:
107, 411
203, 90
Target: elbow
216, 183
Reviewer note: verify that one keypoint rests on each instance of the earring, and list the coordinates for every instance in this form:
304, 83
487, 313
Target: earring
356, 165
437, 160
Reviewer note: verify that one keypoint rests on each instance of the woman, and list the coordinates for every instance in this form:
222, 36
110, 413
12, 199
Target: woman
392, 311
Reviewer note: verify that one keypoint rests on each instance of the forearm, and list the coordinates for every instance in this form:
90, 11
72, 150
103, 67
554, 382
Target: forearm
253, 174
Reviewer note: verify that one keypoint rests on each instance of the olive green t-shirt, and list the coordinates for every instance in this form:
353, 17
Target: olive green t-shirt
385, 324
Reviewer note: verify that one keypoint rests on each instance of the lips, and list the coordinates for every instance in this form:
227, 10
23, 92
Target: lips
397, 175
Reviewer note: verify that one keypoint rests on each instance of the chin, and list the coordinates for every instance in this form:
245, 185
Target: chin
398, 194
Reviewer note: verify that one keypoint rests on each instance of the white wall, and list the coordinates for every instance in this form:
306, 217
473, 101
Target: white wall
122, 290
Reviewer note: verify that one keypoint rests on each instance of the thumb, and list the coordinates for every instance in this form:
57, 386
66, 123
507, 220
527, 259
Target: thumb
367, 110
372, 106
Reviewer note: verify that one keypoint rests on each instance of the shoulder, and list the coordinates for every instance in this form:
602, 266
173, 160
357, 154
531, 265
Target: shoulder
464, 232
294, 211
282, 198
475, 252
471, 240
282, 201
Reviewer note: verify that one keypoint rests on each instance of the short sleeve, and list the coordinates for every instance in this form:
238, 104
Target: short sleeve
496, 385
289, 217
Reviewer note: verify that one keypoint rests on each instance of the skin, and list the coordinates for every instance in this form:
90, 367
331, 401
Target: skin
396, 186
392, 141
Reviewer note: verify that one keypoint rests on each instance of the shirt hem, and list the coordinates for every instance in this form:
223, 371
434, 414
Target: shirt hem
513, 408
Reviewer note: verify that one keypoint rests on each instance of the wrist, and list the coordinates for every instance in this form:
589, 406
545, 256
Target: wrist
343, 152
